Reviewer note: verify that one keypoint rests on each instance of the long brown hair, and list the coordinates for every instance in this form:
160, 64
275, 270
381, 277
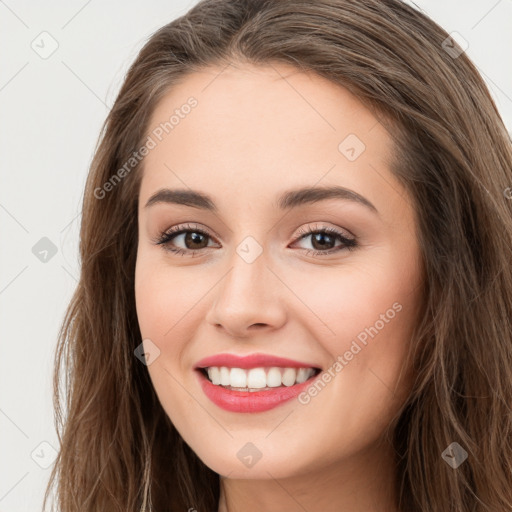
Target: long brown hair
119, 450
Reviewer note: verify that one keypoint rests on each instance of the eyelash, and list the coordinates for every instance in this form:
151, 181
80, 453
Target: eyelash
164, 239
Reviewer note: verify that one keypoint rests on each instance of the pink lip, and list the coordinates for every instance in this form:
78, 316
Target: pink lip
251, 361
250, 401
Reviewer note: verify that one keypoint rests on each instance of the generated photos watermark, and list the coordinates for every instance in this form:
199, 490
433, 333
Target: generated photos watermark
343, 360
152, 140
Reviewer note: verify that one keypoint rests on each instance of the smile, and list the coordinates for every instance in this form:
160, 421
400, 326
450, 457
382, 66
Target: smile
253, 383
257, 379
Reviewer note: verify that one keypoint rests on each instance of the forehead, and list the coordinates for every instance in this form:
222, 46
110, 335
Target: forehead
262, 128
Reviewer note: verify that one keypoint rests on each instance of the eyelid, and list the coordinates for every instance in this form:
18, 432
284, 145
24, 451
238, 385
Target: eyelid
180, 229
323, 227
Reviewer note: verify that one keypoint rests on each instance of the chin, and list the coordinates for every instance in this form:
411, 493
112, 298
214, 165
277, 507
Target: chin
277, 465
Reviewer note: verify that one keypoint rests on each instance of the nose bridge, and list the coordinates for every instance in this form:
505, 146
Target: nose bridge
247, 295
246, 281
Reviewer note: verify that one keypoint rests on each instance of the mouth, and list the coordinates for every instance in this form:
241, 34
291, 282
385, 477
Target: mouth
254, 383
257, 379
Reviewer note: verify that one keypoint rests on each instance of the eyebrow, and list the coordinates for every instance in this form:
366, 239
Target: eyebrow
288, 200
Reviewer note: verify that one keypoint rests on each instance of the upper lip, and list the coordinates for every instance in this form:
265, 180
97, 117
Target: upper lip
251, 361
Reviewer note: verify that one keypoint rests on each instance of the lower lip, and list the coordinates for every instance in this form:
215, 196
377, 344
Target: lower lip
250, 401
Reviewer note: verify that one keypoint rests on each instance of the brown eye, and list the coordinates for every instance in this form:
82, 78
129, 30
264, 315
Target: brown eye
323, 240
192, 238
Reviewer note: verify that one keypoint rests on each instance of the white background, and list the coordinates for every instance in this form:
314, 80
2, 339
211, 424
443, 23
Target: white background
51, 113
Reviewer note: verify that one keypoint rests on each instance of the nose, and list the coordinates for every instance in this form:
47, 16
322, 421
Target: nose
248, 299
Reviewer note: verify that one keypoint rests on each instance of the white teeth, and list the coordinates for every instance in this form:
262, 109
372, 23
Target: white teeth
238, 378
214, 374
302, 375
224, 376
274, 378
289, 376
258, 378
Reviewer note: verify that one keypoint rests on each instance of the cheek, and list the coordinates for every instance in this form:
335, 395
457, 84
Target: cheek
152, 300
162, 305
368, 315
372, 315
381, 293
170, 302
162, 296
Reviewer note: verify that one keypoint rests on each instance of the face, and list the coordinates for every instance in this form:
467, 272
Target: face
329, 281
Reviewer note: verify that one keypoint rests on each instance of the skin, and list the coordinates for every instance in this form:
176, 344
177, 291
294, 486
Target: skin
256, 132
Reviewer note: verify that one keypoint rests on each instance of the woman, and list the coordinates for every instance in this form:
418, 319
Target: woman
251, 372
